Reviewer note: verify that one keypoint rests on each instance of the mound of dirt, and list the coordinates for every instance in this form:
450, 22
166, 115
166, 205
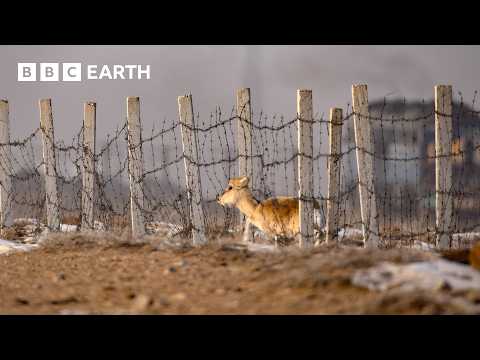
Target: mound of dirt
103, 274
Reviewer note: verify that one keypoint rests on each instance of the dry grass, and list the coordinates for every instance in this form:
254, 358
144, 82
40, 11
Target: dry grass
91, 239
9, 233
84, 239
20, 229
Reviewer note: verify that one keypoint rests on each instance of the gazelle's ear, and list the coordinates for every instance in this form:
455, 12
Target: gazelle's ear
243, 181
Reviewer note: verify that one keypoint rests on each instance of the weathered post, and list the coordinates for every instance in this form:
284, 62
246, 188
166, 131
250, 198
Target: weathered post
335, 143
443, 164
305, 166
5, 180
245, 149
88, 175
192, 171
135, 165
365, 165
51, 190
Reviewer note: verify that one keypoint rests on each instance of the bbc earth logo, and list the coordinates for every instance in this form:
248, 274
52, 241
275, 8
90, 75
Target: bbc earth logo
72, 72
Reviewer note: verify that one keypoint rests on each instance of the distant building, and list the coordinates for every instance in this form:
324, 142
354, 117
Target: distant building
404, 134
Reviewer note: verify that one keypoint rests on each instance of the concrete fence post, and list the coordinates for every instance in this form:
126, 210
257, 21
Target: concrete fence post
5, 180
365, 165
51, 189
192, 170
335, 144
135, 165
443, 164
305, 167
88, 175
245, 149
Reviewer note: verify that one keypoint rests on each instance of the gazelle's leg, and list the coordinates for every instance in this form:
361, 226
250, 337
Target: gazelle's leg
248, 235
276, 241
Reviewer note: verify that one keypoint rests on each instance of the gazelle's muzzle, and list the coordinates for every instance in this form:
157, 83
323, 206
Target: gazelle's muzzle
221, 200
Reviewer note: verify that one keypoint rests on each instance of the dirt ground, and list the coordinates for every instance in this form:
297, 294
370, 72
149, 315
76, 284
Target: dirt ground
87, 277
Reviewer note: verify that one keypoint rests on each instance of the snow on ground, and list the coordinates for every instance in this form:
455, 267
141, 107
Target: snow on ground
426, 275
464, 240
459, 241
422, 245
349, 233
253, 247
261, 247
68, 228
30, 230
7, 246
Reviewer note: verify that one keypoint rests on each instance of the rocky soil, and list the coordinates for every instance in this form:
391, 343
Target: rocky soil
99, 273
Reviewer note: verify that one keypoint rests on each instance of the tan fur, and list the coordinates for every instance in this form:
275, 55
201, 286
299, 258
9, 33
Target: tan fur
277, 216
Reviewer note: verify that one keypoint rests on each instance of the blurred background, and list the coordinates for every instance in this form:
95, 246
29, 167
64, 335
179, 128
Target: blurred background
213, 73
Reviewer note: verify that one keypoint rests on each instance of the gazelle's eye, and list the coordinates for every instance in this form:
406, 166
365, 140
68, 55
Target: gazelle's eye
229, 188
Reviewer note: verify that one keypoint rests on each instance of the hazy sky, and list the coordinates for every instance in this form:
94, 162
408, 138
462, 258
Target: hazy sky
212, 73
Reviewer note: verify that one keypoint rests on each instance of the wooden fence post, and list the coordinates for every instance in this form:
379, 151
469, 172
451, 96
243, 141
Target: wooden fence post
135, 165
443, 164
51, 190
192, 170
5, 180
365, 165
88, 175
335, 140
305, 167
245, 149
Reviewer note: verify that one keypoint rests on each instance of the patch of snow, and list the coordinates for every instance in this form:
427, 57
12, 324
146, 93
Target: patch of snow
464, 240
349, 232
68, 228
421, 245
261, 247
426, 275
253, 247
467, 236
7, 246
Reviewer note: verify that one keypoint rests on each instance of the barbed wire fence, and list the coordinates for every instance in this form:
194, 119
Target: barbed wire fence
386, 173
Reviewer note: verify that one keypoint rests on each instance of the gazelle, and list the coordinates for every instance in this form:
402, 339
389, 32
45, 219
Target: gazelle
276, 217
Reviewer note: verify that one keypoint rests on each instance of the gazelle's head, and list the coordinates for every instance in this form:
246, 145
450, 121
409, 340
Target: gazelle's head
236, 189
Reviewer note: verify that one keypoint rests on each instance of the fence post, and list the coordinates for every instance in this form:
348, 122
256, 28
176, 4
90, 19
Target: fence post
335, 140
443, 164
51, 190
365, 165
245, 149
192, 170
135, 165
5, 180
88, 175
305, 167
